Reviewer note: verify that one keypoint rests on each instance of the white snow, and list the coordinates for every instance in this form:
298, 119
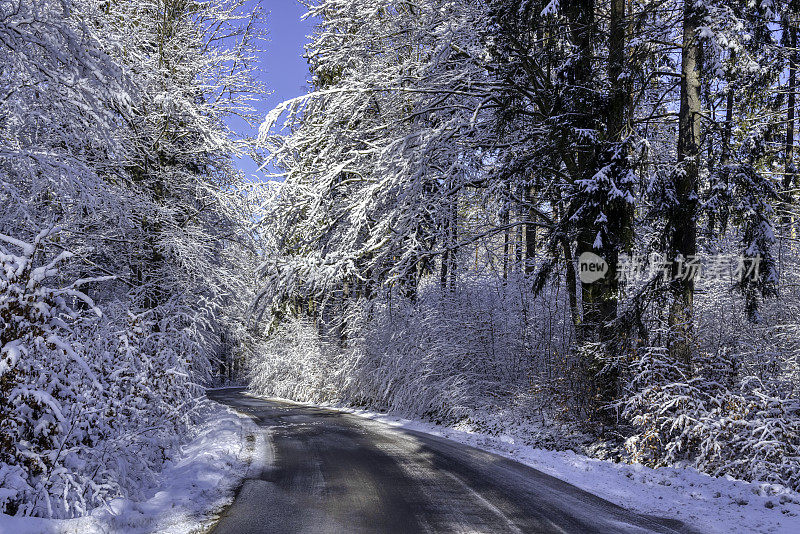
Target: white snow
201, 480
195, 486
707, 504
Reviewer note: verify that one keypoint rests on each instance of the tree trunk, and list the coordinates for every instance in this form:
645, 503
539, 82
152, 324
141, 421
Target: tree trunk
506, 238
447, 279
571, 277
530, 236
600, 298
728, 129
616, 60
580, 17
453, 258
519, 254
789, 169
684, 213
572, 290
443, 274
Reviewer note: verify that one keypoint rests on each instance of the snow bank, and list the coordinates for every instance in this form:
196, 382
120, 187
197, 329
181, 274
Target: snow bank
708, 504
193, 487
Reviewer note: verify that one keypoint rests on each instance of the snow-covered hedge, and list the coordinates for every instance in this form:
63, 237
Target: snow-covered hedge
490, 356
709, 416
90, 402
445, 356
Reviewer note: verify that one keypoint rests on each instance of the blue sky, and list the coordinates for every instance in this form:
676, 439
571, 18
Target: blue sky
284, 71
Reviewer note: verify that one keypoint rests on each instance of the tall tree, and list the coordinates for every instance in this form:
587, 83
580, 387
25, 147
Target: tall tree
683, 217
789, 41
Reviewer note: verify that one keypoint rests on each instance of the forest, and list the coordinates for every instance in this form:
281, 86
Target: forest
124, 238
572, 220
456, 161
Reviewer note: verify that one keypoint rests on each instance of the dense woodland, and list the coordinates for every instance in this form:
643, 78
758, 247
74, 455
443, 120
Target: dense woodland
454, 160
415, 244
124, 241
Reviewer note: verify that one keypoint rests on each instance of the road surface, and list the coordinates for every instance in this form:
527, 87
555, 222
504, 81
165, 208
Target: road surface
333, 472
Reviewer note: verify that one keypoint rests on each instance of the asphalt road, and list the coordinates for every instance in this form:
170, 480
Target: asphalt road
333, 472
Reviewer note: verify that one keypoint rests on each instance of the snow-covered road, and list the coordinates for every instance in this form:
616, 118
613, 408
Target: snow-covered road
332, 472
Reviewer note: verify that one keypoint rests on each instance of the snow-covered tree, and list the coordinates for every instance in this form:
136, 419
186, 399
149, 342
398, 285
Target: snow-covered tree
112, 132
454, 159
378, 153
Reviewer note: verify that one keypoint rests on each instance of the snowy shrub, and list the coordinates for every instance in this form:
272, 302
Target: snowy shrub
493, 357
295, 363
402, 362
734, 409
44, 379
709, 416
91, 403
446, 356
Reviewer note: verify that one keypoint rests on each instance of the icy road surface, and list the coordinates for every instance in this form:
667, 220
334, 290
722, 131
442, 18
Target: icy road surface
332, 472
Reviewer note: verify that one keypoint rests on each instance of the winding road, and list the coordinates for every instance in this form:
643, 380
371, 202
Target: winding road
333, 472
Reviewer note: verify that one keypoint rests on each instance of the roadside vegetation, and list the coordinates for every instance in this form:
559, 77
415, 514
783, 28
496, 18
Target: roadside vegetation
455, 163
124, 243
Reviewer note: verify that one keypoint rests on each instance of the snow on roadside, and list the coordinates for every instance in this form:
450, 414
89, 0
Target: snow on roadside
708, 504
194, 486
